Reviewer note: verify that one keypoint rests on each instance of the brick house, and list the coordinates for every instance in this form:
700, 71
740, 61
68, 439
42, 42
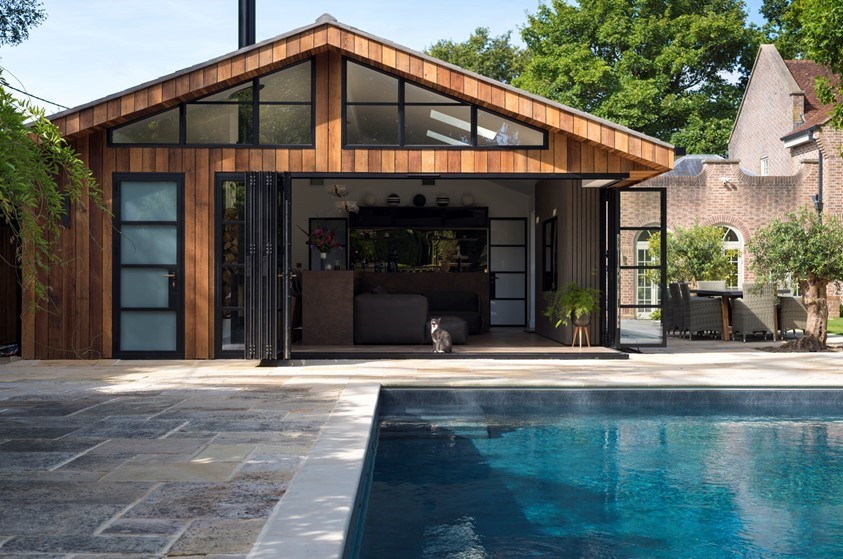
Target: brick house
780, 148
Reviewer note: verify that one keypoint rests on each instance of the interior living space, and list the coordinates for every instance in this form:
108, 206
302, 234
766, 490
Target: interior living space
325, 193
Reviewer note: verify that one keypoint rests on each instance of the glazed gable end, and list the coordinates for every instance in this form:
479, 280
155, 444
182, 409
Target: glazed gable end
577, 142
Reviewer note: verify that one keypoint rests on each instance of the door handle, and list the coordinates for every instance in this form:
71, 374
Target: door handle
172, 276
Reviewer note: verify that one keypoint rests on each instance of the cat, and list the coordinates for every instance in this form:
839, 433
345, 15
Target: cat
441, 337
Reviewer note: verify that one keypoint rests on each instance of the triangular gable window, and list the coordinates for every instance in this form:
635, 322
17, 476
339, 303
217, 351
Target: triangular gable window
273, 110
386, 111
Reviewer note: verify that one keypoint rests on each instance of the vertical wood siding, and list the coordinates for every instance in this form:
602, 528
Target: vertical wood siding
77, 321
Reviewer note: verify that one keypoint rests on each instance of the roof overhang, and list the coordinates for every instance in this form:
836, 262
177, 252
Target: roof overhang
799, 138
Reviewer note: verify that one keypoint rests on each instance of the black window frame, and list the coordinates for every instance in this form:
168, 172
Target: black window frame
550, 269
401, 123
219, 265
256, 105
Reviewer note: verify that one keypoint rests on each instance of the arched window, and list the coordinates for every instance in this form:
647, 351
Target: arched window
733, 243
646, 289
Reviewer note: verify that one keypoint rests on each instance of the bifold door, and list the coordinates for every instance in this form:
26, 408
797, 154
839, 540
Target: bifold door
267, 266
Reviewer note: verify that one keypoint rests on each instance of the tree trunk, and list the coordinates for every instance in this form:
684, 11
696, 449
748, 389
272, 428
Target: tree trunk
817, 305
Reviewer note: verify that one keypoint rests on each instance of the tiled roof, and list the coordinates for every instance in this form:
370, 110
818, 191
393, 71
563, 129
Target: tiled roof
805, 72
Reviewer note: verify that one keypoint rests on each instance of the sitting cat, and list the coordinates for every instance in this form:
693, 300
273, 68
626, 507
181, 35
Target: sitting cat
441, 337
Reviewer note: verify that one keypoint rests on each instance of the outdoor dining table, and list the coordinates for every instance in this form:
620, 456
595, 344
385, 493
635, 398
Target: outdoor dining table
725, 296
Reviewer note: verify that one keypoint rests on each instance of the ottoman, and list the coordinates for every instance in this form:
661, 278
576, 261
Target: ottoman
456, 326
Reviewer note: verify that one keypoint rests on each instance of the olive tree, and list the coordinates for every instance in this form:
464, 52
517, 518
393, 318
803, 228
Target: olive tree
808, 249
694, 254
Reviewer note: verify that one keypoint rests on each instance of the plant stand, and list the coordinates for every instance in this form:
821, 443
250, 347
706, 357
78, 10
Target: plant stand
578, 332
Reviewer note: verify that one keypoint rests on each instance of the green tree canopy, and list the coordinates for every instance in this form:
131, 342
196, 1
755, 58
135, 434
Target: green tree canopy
783, 28
17, 17
805, 248
694, 254
493, 57
665, 68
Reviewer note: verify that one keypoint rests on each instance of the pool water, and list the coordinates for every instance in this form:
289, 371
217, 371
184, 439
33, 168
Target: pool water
606, 478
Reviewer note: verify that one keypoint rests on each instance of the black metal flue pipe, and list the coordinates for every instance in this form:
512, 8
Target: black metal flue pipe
247, 23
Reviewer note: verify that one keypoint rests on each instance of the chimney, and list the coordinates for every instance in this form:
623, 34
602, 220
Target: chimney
247, 23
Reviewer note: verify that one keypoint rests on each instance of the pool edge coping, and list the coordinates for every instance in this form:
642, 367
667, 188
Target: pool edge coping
313, 516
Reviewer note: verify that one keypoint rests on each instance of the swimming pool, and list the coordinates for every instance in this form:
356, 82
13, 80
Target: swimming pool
470, 474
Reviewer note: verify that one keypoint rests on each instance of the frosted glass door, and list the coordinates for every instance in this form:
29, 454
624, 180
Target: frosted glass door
148, 265
508, 271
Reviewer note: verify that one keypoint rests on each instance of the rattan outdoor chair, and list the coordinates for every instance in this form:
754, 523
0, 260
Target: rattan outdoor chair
755, 312
793, 315
701, 315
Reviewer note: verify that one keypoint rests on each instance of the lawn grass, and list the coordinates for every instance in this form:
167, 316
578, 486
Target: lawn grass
835, 325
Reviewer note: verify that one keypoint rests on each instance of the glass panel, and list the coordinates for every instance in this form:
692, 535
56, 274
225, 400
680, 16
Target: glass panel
507, 313
635, 331
219, 124
506, 232
291, 84
158, 129
366, 125
285, 124
148, 331
639, 207
145, 287
148, 201
368, 86
508, 259
495, 130
437, 125
233, 281
233, 200
237, 94
415, 94
149, 244
233, 243
510, 286
233, 328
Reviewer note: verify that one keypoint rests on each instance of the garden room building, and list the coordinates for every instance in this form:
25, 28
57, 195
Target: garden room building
442, 191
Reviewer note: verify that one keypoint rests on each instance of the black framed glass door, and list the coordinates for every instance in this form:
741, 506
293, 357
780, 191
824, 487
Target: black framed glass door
636, 280
148, 316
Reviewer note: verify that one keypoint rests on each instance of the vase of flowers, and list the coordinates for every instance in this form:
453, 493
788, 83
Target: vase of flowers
323, 240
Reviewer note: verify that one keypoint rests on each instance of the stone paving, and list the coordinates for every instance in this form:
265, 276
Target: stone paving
188, 459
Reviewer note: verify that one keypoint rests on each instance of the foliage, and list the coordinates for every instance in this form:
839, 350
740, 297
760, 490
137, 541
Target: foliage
822, 28
572, 301
783, 27
493, 57
694, 254
807, 248
664, 68
17, 17
32, 155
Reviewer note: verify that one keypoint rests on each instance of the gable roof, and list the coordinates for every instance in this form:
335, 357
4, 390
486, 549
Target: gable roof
805, 73
327, 34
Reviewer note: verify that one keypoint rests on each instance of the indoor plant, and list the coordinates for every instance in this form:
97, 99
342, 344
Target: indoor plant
571, 303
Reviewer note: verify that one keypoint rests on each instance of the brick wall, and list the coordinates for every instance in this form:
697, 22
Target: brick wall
724, 195
766, 114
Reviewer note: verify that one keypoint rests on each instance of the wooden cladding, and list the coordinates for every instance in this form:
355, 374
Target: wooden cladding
341, 41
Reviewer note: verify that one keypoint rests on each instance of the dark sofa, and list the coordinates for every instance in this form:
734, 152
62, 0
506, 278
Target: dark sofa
462, 304
389, 318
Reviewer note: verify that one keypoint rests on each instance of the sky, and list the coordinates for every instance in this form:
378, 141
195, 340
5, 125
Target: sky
89, 49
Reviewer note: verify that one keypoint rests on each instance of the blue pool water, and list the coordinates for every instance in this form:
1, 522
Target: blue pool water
605, 474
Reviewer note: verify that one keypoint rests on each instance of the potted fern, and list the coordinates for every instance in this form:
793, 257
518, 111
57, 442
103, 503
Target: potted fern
572, 303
